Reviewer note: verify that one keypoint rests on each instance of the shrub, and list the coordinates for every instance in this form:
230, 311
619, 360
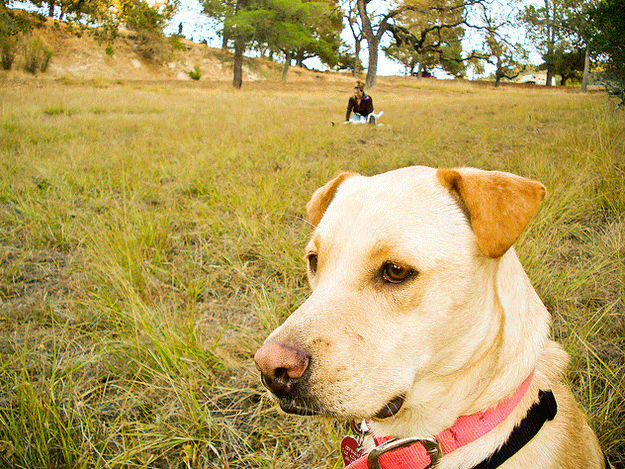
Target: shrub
153, 46
7, 53
13, 24
36, 57
176, 42
56, 111
196, 73
47, 55
106, 32
31, 58
148, 22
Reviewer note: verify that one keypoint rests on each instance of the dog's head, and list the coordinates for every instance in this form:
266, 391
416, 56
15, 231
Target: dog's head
406, 291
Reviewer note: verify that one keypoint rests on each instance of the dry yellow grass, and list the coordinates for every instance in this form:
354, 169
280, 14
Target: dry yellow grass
151, 236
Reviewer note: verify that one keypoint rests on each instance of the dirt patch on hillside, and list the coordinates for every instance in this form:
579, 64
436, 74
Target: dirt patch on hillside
78, 55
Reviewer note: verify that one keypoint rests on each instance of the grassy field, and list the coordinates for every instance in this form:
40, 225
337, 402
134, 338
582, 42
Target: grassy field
151, 236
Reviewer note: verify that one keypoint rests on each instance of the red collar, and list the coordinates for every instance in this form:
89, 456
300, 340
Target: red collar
407, 454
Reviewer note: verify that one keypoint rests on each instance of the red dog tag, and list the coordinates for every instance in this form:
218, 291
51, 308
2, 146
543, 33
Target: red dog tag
350, 450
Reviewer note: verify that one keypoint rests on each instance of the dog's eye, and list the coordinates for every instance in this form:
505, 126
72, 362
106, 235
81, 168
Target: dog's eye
312, 263
396, 273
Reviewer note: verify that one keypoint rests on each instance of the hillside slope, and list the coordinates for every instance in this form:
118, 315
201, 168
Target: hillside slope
78, 55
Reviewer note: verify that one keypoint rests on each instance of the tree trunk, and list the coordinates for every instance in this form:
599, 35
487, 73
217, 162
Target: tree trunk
356, 71
239, 48
287, 63
373, 42
586, 70
550, 43
549, 77
372, 66
498, 72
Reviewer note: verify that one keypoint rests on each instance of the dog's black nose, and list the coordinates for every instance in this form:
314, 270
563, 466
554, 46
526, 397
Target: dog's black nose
281, 366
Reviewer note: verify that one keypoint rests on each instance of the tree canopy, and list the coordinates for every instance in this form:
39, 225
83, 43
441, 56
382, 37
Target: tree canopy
429, 33
606, 34
297, 28
107, 14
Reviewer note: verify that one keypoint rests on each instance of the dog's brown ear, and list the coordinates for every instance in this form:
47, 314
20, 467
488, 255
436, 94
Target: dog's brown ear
322, 197
500, 204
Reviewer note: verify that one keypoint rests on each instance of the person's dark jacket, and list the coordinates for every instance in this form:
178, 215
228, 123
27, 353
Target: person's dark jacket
364, 108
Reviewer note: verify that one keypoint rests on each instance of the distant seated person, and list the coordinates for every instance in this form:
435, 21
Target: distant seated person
361, 105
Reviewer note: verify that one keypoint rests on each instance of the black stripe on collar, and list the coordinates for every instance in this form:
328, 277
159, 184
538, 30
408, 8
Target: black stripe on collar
545, 409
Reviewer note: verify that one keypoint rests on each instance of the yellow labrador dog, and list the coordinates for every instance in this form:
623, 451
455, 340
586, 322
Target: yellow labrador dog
423, 324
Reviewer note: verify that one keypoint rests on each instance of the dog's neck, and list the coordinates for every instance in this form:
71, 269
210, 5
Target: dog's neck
511, 350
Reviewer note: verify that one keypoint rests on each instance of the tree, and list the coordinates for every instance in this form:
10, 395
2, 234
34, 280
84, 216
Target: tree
607, 38
506, 55
107, 15
237, 27
326, 25
568, 63
441, 16
292, 27
350, 6
225, 12
13, 23
407, 56
346, 60
561, 30
220, 10
297, 28
439, 46
373, 39
575, 29
541, 22
148, 21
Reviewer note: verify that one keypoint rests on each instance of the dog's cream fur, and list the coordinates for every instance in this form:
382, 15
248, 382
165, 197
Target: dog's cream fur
456, 337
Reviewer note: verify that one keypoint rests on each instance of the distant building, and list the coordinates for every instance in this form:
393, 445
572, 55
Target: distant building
535, 79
